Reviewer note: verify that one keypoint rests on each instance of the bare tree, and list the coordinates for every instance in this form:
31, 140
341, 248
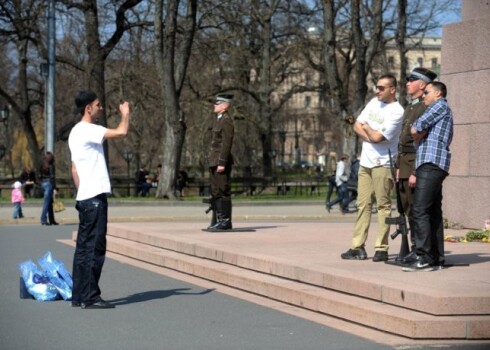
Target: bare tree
256, 56
254, 49
21, 90
173, 39
340, 56
97, 50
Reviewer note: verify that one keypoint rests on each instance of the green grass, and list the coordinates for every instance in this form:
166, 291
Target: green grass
269, 197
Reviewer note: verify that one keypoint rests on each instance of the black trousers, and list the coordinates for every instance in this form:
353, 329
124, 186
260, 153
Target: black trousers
90, 249
427, 212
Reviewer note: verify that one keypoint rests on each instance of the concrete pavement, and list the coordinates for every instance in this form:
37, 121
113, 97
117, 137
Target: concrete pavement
182, 210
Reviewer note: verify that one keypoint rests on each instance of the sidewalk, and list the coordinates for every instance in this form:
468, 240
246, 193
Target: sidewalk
181, 210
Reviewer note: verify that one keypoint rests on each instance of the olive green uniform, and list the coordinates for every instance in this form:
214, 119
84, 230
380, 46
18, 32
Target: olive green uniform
406, 155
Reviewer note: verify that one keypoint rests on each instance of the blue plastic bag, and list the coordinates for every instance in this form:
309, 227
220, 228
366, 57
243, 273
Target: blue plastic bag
37, 284
57, 275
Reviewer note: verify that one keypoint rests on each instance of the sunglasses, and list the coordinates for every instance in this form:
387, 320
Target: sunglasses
381, 87
426, 92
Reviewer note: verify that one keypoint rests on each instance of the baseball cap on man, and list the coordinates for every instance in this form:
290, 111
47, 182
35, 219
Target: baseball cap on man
423, 74
83, 99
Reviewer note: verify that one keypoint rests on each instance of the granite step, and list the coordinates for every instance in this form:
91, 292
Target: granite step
401, 294
353, 308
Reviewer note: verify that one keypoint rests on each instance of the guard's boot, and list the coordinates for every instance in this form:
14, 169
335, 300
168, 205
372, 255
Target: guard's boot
213, 214
226, 209
217, 214
223, 215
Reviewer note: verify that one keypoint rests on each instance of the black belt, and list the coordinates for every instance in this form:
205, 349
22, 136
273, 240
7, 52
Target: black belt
407, 149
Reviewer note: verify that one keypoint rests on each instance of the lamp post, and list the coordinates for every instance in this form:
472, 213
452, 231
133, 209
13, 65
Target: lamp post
4, 116
128, 157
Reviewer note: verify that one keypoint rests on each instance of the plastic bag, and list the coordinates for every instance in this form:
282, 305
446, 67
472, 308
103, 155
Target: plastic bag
57, 275
55, 267
37, 284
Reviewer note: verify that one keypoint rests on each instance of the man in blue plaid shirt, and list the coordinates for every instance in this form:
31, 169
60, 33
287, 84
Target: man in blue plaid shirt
433, 133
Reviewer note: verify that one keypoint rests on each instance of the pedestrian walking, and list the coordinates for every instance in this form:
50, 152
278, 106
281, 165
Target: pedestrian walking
17, 199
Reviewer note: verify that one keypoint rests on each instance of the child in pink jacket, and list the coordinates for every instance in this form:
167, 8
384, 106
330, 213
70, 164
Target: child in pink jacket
17, 199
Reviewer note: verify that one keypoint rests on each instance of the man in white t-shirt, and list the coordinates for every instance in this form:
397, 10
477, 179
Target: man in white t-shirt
89, 171
379, 126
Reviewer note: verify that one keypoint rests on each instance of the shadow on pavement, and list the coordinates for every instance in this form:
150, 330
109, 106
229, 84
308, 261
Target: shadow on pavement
155, 294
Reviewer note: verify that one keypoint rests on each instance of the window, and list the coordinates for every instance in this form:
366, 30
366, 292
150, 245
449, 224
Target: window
308, 79
307, 101
420, 61
434, 63
391, 62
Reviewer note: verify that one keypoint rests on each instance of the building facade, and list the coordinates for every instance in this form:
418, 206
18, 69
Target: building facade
308, 130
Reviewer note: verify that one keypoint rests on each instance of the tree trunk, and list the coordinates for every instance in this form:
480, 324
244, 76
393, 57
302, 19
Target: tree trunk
95, 65
338, 76
23, 107
172, 60
265, 89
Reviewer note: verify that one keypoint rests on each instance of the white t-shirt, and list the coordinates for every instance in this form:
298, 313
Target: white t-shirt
386, 119
85, 142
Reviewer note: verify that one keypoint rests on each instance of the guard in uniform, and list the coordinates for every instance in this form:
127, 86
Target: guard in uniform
416, 83
220, 164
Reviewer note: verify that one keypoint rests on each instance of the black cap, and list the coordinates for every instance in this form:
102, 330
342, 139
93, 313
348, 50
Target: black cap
224, 98
423, 74
83, 99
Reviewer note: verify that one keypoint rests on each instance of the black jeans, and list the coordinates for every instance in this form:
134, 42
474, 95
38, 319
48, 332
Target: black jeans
427, 212
90, 249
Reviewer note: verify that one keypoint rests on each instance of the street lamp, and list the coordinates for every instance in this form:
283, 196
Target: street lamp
128, 157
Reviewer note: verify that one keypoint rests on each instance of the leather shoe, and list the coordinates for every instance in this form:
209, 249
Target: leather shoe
76, 304
328, 206
101, 304
380, 255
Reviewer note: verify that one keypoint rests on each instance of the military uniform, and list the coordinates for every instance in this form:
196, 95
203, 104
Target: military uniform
220, 155
406, 156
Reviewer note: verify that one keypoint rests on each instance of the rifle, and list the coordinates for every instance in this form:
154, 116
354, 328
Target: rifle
210, 208
401, 220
